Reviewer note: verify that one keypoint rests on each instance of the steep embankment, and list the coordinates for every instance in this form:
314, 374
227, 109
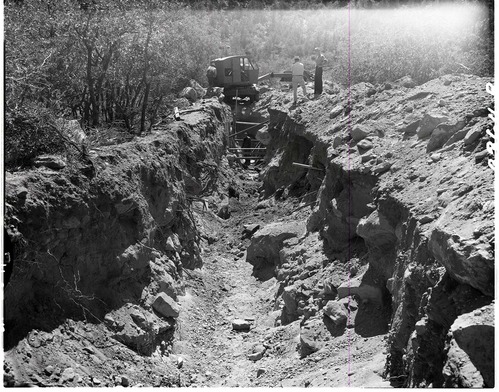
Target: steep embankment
112, 245
403, 200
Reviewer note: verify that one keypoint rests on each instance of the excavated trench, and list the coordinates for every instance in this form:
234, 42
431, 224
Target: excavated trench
360, 218
326, 256
85, 246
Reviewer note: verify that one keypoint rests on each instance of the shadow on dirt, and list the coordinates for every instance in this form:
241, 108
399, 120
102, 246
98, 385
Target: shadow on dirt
264, 272
373, 319
49, 305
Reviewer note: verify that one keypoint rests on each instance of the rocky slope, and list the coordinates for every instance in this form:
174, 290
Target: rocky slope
110, 248
375, 259
403, 199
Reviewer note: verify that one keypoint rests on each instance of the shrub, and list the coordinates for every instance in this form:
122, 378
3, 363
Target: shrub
30, 132
116, 61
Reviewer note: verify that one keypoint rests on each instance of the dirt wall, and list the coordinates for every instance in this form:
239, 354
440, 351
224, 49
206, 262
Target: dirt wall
405, 186
87, 246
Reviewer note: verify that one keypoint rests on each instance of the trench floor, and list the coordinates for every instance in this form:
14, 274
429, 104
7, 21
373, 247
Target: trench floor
224, 289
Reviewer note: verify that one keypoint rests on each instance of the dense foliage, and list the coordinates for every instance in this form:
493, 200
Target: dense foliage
30, 132
118, 62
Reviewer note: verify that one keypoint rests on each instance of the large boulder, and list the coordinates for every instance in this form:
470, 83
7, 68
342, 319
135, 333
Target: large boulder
429, 122
360, 132
335, 310
470, 357
268, 241
376, 230
166, 306
466, 262
459, 371
442, 134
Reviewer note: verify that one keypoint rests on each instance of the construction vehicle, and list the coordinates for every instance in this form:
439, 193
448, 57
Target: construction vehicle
238, 76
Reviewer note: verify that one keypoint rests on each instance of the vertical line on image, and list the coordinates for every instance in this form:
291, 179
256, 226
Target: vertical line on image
349, 126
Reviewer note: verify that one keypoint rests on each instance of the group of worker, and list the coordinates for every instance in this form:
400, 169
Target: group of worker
297, 72
298, 79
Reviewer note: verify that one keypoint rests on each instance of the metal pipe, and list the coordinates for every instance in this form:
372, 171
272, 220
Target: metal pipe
260, 157
248, 148
305, 205
191, 110
307, 194
247, 129
250, 123
306, 166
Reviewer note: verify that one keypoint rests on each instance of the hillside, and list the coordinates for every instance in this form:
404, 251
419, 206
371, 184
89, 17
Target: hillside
373, 267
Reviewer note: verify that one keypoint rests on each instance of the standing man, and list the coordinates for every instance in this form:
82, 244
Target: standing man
211, 74
246, 146
297, 79
320, 60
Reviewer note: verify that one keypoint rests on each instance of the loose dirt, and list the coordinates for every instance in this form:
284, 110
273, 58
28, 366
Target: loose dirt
225, 289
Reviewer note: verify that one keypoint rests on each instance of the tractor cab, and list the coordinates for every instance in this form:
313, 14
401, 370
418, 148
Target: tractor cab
238, 76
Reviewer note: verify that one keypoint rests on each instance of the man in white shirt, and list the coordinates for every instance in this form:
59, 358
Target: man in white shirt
297, 71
